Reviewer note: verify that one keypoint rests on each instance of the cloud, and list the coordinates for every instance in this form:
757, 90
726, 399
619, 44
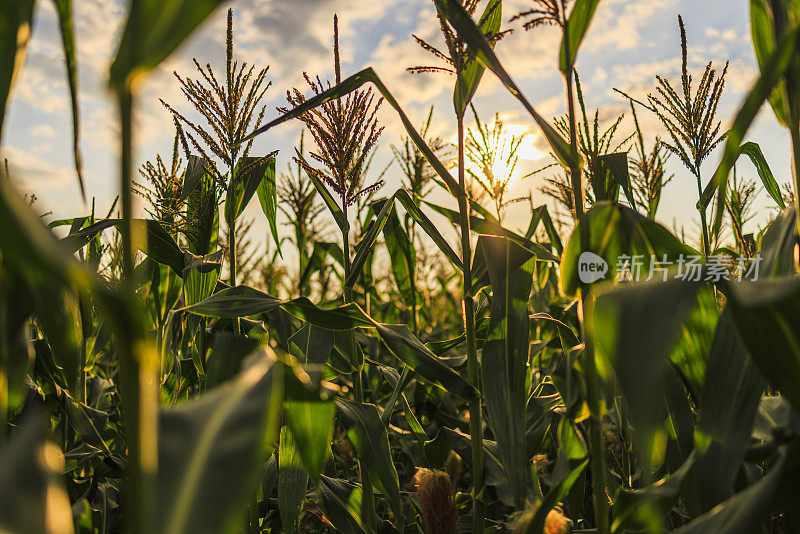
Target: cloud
42, 130
31, 173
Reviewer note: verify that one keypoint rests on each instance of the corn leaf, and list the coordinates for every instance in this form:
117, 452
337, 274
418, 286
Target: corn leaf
16, 25
250, 173
771, 74
32, 495
153, 30
292, 482
192, 176
505, 356
427, 225
402, 256
341, 501
740, 514
322, 249
268, 198
243, 301
468, 80
767, 316
577, 25
644, 509
765, 42
612, 231
633, 334
728, 405
366, 246
777, 245
209, 449
309, 418
64, 9
200, 276
369, 437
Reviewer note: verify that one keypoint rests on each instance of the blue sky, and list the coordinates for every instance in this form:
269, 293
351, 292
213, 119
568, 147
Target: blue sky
628, 44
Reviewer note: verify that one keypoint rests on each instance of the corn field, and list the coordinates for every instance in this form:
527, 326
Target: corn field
594, 372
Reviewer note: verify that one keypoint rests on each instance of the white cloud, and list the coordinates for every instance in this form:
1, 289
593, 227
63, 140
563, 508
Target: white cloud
42, 130
31, 173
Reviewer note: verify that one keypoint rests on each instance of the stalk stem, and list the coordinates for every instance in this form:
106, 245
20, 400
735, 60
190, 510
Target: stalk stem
702, 210
473, 370
795, 133
575, 166
138, 380
601, 512
368, 506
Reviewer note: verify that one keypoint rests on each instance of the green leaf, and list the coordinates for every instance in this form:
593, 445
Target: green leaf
613, 171
16, 25
201, 208
311, 424
149, 237
427, 225
463, 24
728, 405
200, 276
468, 80
542, 214
404, 346
765, 42
644, 509
192, 176
153, 30
243, 301
366, 245
767, 316
633, 332
777, 245
228, 353
314, 343
369, 437
64, 9
292, 482
612, 231
577, 25
349, 85
485, 226
771, 74
341, 502
239, 301
209, 450
402, 256
32, 495
250, 172
752, 151
505, 356
556, 494
322, 249
740, 514
268, 198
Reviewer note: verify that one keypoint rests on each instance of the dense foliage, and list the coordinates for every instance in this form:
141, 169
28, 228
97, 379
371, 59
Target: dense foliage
157, 375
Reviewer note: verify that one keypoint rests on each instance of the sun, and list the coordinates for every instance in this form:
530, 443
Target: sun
501, 146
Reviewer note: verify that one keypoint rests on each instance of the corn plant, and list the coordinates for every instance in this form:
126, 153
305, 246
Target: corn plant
688, 114
151, 396
649, 176
490, 151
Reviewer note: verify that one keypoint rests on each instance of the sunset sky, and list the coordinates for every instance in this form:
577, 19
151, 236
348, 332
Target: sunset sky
629, 43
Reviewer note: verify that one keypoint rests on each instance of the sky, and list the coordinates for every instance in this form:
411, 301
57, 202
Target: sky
628, 44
